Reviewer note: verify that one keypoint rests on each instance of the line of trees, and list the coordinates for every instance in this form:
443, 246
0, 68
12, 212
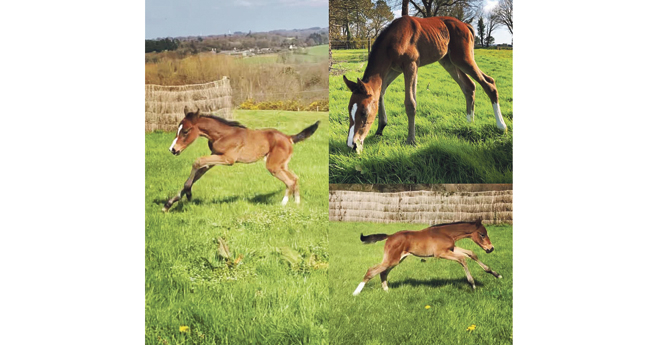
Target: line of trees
239, 41
161, 45
360, 20
357, 20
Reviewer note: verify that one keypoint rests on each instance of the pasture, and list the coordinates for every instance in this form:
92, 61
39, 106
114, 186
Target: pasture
400, 316
272, 285
449, 149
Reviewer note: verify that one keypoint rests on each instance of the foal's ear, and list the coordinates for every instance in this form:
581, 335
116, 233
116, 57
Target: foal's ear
478, 222
362, 88
351, 85
186, 110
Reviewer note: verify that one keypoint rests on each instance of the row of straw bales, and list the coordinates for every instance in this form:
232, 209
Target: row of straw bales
164, 104
426, 207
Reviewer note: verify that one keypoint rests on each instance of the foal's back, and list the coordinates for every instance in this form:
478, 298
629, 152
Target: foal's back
424, 40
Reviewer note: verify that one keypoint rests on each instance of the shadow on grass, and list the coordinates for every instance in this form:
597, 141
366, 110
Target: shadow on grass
261, 199
460, 283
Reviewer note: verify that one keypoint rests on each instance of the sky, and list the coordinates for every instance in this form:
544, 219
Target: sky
175, 18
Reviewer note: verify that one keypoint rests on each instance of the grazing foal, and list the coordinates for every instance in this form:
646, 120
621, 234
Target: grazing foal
230, 142
435, 241
405, 45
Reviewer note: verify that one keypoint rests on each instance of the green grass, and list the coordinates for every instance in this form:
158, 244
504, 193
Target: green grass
449, 149
399, 316
278, 293
312, 55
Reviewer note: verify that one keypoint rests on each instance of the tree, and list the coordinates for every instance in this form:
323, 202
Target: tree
381, 14
481, 30
504, 14
464, 10
491, 25
404, 7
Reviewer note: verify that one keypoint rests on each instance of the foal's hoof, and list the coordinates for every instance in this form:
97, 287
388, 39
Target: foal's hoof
189, 196
165, 209
499, 276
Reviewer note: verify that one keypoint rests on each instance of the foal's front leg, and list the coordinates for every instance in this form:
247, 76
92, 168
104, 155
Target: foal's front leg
410, 76
382, 114
470, 254
199, 168
461, 260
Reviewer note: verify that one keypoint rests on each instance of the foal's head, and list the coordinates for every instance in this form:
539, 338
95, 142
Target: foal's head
187, 132
362, 110
480, 237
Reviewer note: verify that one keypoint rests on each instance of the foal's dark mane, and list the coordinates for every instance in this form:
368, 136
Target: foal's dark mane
376, 53
226, 122
452, 223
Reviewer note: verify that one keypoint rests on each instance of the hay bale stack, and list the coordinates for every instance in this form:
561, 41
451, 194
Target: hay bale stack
427, 207
164, 104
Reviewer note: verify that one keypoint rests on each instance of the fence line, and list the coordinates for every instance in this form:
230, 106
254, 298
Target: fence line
427, 207
164, 104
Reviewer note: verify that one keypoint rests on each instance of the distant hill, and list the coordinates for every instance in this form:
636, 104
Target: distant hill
250, 42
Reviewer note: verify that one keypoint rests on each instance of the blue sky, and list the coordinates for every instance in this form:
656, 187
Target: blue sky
172, 18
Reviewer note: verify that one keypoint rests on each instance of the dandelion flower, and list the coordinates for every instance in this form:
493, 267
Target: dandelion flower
471, 328
184, 329
428, 307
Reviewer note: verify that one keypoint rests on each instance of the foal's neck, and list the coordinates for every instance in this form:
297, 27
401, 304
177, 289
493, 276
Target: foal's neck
212, 129
460, 233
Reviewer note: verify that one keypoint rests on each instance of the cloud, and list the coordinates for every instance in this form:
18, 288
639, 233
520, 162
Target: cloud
490, 5
243, 3
306, 3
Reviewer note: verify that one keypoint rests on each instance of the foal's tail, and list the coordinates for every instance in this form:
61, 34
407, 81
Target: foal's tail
306, 133
372, 238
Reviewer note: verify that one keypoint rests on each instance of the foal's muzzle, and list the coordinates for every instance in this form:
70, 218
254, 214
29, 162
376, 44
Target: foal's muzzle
175, 152
488, 251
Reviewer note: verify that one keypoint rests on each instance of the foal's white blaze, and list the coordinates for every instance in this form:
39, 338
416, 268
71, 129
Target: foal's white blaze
177, 137
351, 131
359, 288
498, 117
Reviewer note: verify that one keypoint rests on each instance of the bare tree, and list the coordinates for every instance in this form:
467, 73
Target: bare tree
464, 10
491, 25
504, 14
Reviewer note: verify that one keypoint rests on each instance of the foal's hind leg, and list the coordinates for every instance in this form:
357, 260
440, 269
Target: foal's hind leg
296, 186
383, 269
466, 84
383, 275
276, 163
470, 254
464, 60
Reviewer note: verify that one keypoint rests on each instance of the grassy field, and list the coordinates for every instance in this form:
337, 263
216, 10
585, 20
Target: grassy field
273, 288
449, 149
399, 316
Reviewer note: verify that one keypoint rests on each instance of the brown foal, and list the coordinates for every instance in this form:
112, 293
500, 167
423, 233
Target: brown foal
230, 142
405, 45
435, 241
